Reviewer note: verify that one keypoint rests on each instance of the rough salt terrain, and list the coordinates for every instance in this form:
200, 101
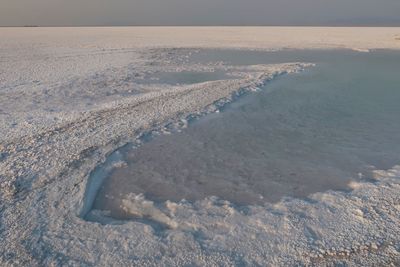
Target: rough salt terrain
70, 97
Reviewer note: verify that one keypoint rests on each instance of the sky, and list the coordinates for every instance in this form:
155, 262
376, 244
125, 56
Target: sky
200, 12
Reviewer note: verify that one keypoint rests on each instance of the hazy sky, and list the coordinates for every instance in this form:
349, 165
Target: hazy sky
199, 12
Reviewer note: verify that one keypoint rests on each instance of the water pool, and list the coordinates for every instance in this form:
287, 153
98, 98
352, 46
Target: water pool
303, 133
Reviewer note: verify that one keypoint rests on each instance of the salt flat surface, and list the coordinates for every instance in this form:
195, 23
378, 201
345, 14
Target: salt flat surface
70, 97
117, 39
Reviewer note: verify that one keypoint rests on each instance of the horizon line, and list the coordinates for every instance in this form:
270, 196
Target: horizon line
172, 25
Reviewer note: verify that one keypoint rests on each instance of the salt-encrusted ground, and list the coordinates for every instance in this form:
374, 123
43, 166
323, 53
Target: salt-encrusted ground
69, 97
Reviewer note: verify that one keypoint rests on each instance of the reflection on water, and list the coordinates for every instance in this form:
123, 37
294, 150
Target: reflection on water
302, 134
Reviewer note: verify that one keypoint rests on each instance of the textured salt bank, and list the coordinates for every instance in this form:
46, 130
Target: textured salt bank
69, 98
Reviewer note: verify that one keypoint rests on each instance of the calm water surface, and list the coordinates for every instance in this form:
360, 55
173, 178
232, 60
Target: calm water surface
303, 133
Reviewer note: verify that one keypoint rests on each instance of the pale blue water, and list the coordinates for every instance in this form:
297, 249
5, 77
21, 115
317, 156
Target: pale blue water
303, 133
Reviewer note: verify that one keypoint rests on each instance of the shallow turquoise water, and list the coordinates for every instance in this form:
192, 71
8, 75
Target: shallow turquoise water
303, 133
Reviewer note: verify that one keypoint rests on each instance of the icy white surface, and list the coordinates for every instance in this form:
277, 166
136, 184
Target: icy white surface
65, 104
